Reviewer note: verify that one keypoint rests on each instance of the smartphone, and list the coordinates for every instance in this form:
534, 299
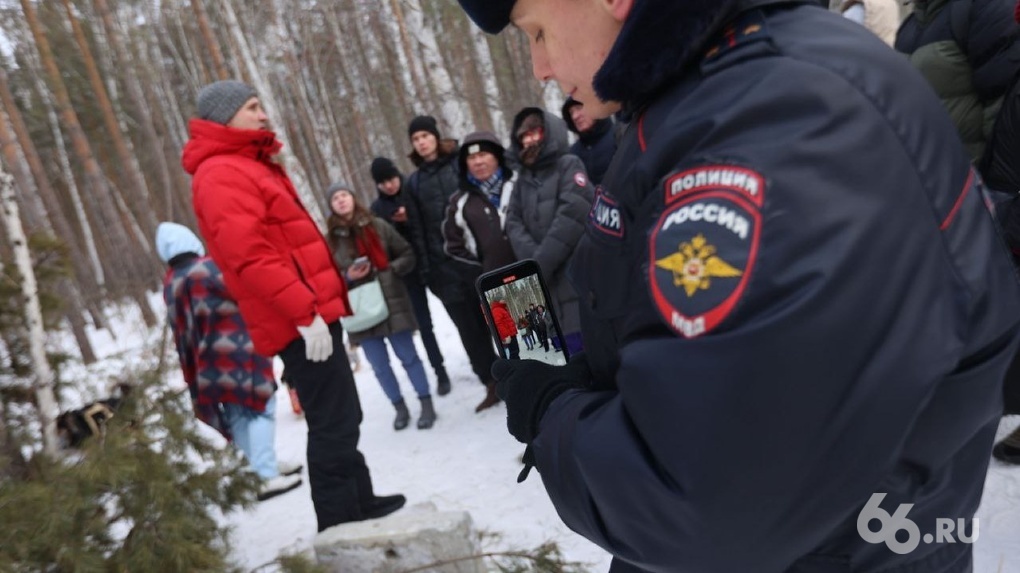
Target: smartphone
517, 293
360, 261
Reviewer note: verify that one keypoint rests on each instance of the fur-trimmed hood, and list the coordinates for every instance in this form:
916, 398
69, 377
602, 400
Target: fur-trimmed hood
556, 141
662, 38
658, 41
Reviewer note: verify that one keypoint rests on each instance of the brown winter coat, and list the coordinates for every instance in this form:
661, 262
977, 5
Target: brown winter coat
398, 251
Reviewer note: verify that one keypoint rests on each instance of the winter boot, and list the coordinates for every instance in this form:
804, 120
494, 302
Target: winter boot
442, 381
1008, 450
382, 506
491, 399
289, 468
275, 486
428, 414
403, 416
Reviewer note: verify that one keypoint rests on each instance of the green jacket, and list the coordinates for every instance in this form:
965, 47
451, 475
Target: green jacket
963, 48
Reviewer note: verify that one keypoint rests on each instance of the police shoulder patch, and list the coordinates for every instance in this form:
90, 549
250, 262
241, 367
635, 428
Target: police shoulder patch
704, 245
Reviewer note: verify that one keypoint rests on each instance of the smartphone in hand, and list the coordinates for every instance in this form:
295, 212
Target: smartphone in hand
520, 315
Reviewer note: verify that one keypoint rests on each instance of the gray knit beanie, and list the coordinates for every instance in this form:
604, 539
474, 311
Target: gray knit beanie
219, 101
336, 188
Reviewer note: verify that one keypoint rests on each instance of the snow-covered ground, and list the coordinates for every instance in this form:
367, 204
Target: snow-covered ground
466, 462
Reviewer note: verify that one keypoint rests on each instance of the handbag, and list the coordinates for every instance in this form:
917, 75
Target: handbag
368, 305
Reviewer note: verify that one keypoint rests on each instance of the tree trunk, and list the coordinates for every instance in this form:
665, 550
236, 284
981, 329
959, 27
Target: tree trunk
139, 295
102, 195
264, 89
212, 45
93, 274
67, 288
76, 318
46, 400
35, 211
409, 53
138, 195
145, 117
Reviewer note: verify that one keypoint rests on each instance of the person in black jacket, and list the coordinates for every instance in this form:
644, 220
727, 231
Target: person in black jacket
392, 206
797, 311
429, 190
596, 139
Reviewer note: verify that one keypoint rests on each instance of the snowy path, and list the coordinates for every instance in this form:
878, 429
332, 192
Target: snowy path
466, 462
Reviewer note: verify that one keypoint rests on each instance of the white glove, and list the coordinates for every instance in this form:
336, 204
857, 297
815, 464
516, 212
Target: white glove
318, 340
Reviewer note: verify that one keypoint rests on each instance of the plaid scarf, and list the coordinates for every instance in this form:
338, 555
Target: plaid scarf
492, 187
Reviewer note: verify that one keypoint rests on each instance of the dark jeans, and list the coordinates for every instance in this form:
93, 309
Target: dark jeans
420, 303
474, 334
543, 337
337, 472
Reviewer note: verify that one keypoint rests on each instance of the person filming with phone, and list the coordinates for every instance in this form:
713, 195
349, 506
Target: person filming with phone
794, 298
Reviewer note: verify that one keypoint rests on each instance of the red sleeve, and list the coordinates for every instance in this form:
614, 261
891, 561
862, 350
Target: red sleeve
232, 213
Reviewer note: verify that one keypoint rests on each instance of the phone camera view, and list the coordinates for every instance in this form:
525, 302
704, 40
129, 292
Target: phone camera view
523, 320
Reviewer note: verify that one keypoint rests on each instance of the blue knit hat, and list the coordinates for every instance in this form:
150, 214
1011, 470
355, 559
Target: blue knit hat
219, 101
490, 15
173, 239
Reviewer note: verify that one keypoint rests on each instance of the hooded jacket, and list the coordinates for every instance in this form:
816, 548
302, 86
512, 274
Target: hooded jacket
548, 208
968, 52
595, 147
505, 325
473, 227
274, 259
793, 300
217, 358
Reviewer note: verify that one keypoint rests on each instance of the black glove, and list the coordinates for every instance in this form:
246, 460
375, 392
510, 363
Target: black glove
529, 386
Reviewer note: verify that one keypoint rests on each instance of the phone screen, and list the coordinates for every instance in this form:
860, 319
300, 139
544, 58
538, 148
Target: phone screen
520, 314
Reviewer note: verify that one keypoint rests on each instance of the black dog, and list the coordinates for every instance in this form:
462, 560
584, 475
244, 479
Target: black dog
75, 426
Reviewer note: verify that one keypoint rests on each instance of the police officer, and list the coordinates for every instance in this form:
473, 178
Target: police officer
795, 300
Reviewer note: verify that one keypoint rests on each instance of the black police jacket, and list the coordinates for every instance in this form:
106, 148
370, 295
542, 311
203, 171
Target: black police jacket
794, 298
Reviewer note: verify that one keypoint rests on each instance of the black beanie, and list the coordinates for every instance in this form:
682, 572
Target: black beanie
423, 123
383, 169
477, 142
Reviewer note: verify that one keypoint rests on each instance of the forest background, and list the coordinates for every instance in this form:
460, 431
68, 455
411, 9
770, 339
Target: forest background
95, 96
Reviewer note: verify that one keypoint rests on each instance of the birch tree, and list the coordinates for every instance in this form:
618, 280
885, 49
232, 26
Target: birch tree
268, 99
46, 400
106, 210
138, 191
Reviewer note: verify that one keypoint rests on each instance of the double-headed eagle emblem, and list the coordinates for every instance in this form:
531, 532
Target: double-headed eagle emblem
695, 264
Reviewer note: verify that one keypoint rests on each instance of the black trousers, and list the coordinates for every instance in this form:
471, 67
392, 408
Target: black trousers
337, 473
474, 334
420, 304
513, 349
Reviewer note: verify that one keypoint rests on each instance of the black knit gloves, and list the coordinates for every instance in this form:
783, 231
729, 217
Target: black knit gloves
529, 386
